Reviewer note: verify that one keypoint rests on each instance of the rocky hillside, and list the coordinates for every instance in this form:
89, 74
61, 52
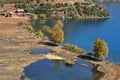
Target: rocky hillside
60, 1
60, 8
39, 1
67, 10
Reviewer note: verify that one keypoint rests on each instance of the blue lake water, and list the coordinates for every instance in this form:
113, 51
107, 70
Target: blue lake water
57, 70
83, 32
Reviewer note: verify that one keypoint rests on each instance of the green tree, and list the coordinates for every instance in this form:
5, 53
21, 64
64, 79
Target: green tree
58, 37
100, 49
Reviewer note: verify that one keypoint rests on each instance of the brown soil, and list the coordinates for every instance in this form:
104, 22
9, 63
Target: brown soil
112, 71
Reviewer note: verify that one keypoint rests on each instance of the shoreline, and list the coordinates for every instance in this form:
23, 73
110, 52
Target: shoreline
91, 17
15, 59
83, 17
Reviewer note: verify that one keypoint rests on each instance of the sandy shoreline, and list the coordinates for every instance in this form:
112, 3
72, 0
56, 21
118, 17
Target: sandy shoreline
14, 39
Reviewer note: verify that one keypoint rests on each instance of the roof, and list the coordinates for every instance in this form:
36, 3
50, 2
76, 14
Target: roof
6, 13
20, 10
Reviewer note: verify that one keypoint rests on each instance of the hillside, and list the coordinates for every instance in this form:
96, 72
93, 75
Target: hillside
67, 10
60, 8
39, 1
60, 1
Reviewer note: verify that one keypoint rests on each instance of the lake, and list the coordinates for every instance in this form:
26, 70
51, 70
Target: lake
83, 32
57, 70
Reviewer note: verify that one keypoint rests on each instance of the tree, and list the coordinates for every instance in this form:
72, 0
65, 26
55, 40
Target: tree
58, 24
100, 49
58, 37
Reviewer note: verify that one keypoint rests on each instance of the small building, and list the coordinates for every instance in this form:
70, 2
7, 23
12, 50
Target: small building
20, 12
7, 14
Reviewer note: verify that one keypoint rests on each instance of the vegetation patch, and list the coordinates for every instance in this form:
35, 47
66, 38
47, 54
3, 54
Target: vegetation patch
69, 62
73, 48
30, 28
87, 9
56, 33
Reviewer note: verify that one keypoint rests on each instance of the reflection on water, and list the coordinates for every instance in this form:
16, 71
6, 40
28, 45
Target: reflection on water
58, 65
57, 70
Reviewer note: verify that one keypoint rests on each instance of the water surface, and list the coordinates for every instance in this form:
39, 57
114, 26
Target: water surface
83, 32
57, 70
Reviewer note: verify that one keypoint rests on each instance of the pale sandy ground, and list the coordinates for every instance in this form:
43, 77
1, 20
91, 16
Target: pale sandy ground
15, 39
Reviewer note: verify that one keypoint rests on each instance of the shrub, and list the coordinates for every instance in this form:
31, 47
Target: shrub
45, 38
73, 48
69, 62
30, 28
40, 33
32, 15
42, 16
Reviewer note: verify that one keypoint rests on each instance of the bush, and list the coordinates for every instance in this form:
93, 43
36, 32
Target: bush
69, 62
32, 15
30, 28
40, 33
42, 16
29, 52
73, 48
45, 38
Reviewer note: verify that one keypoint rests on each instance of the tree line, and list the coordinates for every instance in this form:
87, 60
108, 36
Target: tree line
15, 1
100, 49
